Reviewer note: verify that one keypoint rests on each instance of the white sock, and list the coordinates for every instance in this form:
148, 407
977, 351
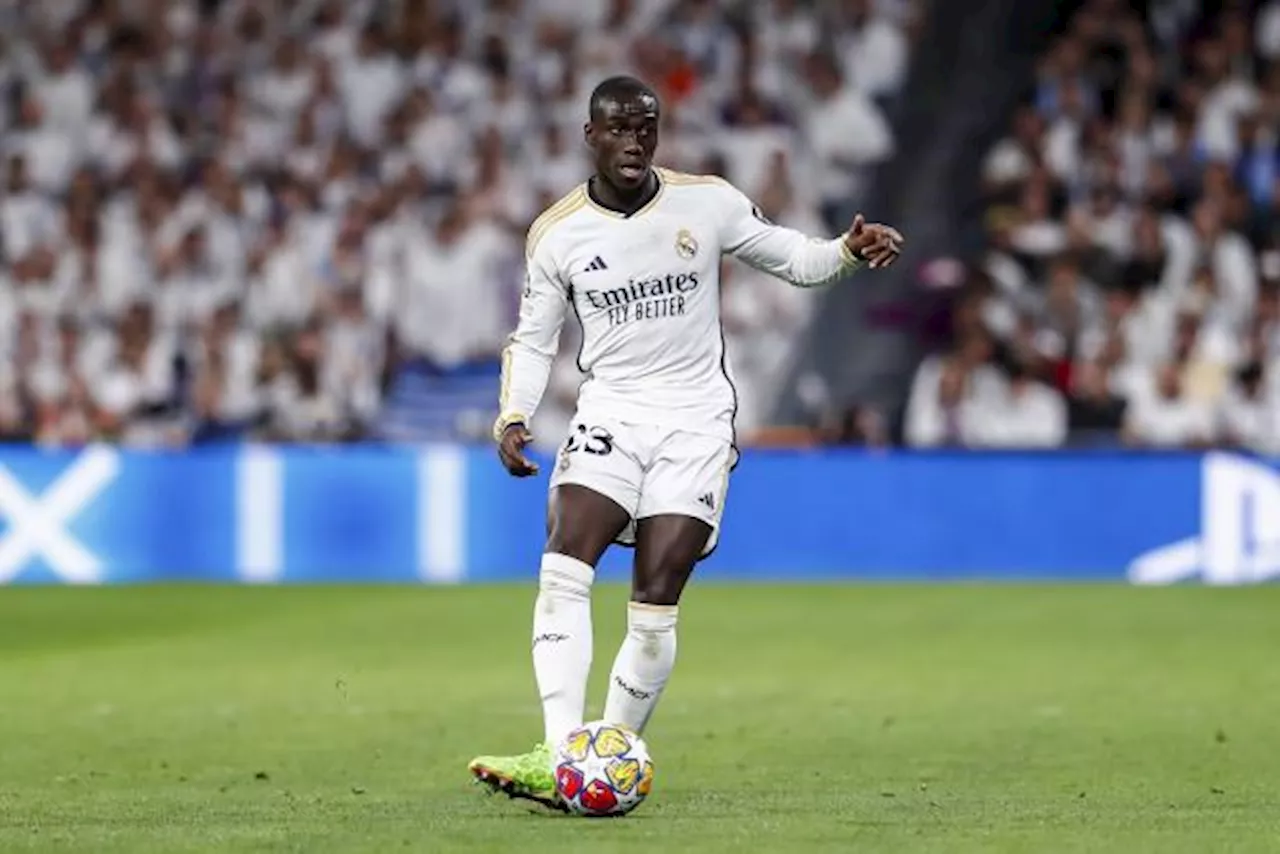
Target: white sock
562, 642
643, 665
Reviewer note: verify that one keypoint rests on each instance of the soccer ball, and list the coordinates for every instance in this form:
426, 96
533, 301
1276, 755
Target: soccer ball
603, 769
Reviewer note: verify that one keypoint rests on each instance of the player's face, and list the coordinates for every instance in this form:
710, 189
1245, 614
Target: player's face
624, 135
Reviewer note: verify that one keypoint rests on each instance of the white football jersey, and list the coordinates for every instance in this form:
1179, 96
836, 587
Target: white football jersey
646, 289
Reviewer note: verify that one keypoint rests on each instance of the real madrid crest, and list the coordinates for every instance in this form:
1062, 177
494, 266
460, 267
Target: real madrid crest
686, 246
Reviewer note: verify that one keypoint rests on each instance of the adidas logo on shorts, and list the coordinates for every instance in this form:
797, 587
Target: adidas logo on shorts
707, 500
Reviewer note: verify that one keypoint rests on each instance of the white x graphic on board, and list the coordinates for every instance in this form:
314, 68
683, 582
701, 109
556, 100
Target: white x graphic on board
37, 525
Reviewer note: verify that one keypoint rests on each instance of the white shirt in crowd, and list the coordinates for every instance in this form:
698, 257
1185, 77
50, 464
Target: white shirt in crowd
1254, 422
1267, 31
239, 400
1008, 161
354, 352
283, 93
454, 308
370, 88
963, 420
50, 154
123, 277
846, 132
1163, 422
876, 57
1032, 415
749, 153
68, 100
153, 380
784, 37
1222, 109
440, 145
284, 292
27, 220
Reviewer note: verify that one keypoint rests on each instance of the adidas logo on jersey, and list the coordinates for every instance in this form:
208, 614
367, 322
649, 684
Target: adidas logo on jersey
596, 264
708, 500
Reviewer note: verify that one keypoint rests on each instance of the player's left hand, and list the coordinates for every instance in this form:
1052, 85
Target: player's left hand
879, 245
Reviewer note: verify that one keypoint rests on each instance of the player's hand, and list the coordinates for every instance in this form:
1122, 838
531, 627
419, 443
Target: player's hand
511, 451
879, 245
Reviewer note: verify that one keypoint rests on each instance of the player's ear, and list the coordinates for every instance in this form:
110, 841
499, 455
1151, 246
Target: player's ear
588, 136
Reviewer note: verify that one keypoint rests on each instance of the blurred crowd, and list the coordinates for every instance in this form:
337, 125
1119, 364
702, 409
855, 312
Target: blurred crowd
1130, 288
227, 218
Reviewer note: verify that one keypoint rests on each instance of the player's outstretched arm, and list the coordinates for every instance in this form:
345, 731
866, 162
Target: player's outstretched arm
798, 258
526, 363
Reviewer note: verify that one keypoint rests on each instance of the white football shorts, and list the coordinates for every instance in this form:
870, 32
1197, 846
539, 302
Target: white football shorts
648, 470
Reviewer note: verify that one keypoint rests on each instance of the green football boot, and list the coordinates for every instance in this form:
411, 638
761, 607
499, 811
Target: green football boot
528, 776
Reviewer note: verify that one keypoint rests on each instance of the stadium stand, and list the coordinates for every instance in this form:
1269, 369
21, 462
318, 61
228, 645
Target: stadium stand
303, 220
1127, 285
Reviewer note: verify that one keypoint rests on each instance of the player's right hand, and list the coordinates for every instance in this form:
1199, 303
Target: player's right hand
511, 450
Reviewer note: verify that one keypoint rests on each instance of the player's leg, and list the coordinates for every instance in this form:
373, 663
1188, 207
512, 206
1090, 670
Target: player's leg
679, 520
594, 492
667, 547
581, 524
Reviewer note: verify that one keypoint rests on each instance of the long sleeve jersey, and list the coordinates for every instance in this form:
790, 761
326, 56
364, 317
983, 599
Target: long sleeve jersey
646, 290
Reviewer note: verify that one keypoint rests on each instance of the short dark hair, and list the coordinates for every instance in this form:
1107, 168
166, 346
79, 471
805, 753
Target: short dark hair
619, 88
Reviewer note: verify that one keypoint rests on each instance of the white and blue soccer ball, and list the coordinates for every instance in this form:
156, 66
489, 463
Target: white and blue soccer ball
603, 769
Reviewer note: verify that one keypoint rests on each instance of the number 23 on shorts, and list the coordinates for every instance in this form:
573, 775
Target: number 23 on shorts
590, 440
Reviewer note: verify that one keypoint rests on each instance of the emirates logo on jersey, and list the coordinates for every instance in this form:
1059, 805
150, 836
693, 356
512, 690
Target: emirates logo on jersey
653, 298
642, 289
686, 246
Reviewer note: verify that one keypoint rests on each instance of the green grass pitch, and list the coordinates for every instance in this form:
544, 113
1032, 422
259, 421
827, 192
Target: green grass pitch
800, 718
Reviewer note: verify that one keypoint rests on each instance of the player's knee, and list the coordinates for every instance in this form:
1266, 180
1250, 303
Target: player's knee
583, 529
573, 541
565, 577
663, 587
657, 595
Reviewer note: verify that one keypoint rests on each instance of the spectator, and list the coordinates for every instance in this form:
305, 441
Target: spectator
1168, 418
1094, 409
1249, 417
300, 407
27, 217
354, 351
946, 409
757, 137
1011, 161
286, 88
1032, 415
454, 312
47, 149
847, 133
65, 90
1267, 31
874, 49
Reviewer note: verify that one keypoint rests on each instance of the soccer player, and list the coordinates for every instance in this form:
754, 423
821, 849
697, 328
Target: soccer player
635, 253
